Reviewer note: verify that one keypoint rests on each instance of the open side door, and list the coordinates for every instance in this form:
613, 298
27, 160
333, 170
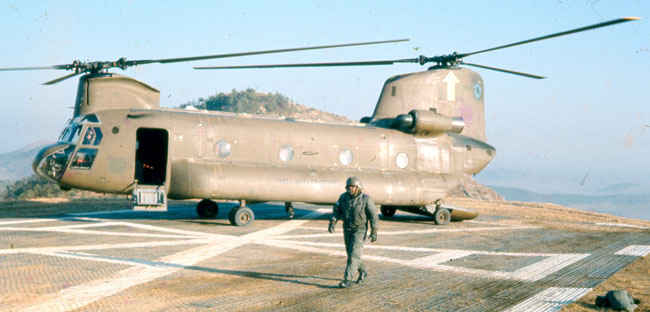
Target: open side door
150, 170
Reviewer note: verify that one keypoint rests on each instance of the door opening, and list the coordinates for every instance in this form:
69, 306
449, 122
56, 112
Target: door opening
151, 156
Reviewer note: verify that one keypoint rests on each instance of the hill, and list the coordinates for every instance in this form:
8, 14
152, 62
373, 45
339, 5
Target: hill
253, 102
18, 164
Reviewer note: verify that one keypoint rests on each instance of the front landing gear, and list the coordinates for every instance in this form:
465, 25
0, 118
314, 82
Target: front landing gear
241, 215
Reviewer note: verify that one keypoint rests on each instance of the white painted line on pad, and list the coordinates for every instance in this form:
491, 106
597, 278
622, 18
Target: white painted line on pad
624, 225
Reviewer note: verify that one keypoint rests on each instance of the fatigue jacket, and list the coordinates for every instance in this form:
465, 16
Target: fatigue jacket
356, 212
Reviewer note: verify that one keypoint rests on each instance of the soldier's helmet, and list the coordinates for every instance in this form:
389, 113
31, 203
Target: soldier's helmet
353, 181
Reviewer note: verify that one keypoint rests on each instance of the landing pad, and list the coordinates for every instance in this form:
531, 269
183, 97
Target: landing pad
67, 258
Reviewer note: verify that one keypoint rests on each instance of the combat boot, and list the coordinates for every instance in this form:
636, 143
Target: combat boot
345, 284
362, 276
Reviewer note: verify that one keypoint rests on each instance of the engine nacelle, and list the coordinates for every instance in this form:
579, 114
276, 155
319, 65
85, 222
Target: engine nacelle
428, 123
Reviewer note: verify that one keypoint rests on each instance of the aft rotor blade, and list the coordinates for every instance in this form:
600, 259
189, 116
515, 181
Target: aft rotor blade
51, 82
329, 64
603, 24
205, 57
504, 70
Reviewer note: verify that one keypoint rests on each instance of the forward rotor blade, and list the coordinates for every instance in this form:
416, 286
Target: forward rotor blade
505, 71
603, 24
205, 57
51, 82
330, 64
34, 68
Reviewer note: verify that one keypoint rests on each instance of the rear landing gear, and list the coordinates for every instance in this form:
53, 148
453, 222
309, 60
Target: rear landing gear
288, 207
442, 215
388, 211
207, 209
241, 215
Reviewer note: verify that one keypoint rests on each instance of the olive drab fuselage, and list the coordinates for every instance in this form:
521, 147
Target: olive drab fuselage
217, 155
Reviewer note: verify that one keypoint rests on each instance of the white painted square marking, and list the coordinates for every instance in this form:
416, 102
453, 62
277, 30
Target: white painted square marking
551, 299
634, 250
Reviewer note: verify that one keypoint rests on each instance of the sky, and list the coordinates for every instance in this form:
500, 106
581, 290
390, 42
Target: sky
588, 118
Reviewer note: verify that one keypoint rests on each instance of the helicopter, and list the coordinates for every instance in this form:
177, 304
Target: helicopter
426, 134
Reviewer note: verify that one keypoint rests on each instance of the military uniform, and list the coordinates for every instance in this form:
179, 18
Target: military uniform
356, 211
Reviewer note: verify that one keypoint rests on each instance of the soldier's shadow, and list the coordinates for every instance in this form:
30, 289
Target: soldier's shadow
288, 278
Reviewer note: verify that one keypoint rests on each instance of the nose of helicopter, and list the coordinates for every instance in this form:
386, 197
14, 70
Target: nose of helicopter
51, 161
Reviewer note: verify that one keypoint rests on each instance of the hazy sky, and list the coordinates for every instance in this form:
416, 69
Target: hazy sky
589, 115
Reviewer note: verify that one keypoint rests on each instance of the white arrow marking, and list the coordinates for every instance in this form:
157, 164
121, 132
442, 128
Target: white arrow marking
451, 81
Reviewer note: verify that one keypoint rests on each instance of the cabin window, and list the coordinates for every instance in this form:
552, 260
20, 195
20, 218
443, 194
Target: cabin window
393, 90
286, 153
346, 157
402, 160
84, 158
223, 149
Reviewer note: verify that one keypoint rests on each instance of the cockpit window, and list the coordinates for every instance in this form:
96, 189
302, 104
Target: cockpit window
93, 136
90, 118
84, 158
71, 133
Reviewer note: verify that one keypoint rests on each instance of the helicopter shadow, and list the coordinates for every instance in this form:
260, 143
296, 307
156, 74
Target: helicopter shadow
263, 211
408, 218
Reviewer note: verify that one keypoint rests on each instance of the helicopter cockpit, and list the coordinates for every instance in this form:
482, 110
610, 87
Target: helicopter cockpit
76, 148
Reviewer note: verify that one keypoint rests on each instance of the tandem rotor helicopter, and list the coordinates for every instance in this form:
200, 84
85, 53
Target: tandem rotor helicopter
427, 134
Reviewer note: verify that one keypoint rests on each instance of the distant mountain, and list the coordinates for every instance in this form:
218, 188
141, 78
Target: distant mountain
18, 164
626, 205
620, 188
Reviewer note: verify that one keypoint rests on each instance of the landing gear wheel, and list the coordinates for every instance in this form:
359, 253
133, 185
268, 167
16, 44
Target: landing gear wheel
442, 216
242, 216
207, 209
387, 211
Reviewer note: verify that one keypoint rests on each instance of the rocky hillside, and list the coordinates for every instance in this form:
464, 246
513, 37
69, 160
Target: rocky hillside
253, 102
469, 188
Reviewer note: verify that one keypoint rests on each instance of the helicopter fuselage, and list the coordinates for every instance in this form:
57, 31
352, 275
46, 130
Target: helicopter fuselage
193, 154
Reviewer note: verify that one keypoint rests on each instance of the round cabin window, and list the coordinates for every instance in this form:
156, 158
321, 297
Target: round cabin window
223, 149
286, 153
402, 160
345, 157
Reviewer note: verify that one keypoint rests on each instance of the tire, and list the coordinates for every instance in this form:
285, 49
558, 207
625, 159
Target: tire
442, 216
242, 216
207, 209
388, 211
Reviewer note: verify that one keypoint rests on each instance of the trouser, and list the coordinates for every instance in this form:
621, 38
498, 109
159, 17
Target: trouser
353, 247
